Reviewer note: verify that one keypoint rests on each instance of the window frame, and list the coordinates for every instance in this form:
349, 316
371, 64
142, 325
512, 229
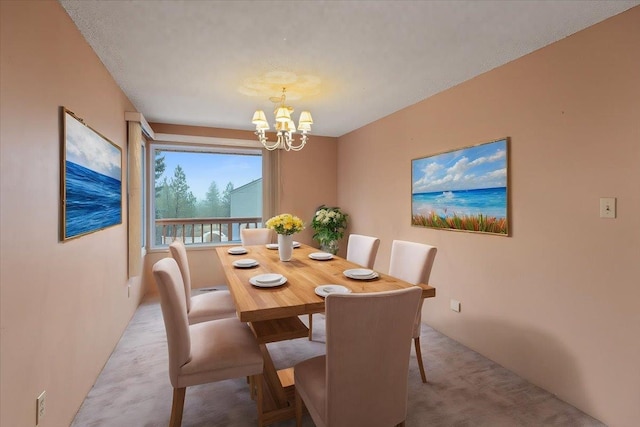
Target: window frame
143, 194
193, 145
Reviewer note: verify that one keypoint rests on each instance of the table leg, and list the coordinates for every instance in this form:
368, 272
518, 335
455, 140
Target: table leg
271, 378
278, 403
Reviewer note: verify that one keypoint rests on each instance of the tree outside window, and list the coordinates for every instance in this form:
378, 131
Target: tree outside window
188, 185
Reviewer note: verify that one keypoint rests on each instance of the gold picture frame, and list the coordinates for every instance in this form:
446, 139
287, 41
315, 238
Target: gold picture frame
464, 189
90, 179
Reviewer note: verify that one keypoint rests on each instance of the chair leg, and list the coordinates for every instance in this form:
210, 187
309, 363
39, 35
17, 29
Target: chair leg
299, 408
416, 341
257, 381
310, 326
177, 406
252, 387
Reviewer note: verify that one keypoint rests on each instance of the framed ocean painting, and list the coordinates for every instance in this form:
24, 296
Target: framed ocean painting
463, 190
90, 179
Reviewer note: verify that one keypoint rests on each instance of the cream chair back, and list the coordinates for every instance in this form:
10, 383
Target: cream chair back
367, 357
206, 306
256, 236
411, 262
179, 253
174, 313
362, 249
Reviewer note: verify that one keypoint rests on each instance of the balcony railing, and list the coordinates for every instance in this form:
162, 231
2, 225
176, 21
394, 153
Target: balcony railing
202, 230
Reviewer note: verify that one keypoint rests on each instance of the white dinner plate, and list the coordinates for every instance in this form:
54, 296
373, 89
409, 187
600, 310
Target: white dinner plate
245, 263
270, 284
360, 274
325, 290
321, 256
268, 278
296, 244
237, 250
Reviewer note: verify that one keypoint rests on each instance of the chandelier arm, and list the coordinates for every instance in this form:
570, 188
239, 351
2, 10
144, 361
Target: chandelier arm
265, 141
303, 141
285, 140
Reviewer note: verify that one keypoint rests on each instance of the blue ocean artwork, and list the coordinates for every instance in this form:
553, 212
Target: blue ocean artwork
92, 180
490, 202
93, 200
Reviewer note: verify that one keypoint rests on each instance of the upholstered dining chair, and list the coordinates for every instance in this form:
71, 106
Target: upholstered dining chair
207, 306
256, 236
360, 249
205, 352
362, 379
412, 262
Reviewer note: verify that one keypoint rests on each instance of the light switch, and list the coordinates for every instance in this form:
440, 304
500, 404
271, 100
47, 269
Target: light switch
607, 207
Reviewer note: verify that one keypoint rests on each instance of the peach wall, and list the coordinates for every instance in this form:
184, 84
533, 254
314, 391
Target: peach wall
558, 301
308, 179
63, 305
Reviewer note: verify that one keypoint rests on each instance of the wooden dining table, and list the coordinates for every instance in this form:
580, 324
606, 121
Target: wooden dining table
272, 312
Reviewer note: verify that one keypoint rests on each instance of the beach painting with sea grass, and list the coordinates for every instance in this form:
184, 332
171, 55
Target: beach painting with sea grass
464, 189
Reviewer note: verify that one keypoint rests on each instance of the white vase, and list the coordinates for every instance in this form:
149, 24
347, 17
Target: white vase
285, 246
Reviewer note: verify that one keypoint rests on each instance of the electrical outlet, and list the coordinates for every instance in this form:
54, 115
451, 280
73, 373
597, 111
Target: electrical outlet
455, 305
41, 407
607, 207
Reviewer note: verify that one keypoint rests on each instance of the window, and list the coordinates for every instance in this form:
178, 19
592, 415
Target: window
204, 195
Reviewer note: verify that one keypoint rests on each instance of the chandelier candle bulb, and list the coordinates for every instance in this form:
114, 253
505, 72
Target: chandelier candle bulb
260, 120
282, 115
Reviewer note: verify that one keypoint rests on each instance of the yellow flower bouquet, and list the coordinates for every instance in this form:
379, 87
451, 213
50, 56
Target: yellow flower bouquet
285, 224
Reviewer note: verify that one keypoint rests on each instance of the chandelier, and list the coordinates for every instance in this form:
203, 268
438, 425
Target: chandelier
285, 128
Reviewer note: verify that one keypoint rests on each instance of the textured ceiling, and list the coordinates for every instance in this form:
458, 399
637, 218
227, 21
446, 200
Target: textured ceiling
212, 63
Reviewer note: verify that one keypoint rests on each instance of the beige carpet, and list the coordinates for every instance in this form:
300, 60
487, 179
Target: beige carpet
464, 389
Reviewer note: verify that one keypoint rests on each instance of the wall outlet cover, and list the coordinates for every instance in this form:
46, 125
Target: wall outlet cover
607, 207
